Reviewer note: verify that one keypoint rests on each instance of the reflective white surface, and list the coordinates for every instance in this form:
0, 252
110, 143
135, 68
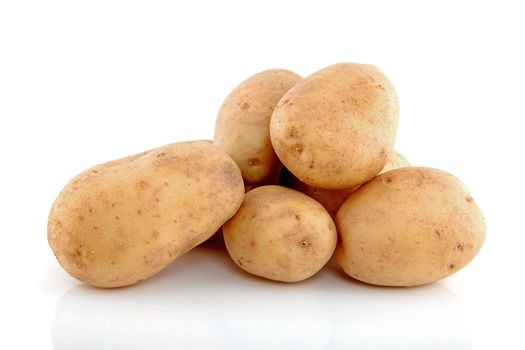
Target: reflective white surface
204, 301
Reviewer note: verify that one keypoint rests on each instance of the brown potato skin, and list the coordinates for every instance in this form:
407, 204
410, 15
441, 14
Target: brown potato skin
121, 222
336, 128
407, 227
280, 234
243, 122
333, 199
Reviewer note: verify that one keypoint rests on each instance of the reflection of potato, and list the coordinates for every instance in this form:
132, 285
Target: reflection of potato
333, 199
408, 226
121, 222
336, 128
280, 234
243, 122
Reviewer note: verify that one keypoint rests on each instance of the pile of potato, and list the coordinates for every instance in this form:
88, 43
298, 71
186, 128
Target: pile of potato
316, 159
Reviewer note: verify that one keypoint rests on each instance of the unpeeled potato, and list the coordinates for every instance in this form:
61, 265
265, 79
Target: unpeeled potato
407, 227
121, 222
243, 122
280, 234
336, 128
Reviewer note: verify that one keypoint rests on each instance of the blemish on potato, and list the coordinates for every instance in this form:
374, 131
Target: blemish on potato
139, 212
470, 200
245, 105
80, 218
459, 247
437, 232
239, 262
117, 217
253, 161
253, 244
293, 133
230, 175
142, 185
451, 266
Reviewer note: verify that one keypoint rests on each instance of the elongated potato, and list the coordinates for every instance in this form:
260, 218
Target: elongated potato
333, 199
121, 222
243, 122
409, 226
336, 128
280, 234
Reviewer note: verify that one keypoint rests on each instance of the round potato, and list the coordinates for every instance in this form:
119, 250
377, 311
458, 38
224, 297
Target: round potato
336, 128
395, 160
280, 234
407, 227
333, 199
243, 122
121, 222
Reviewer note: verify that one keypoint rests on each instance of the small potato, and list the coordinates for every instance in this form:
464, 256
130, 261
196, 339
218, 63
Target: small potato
121, 222
395, 161
407, 227
336, 128
243, 122
280, 234
333, 199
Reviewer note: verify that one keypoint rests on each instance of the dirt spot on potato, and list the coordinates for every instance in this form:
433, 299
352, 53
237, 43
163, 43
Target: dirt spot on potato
230, 175
253, 161
245, 106
292, 133
142, 185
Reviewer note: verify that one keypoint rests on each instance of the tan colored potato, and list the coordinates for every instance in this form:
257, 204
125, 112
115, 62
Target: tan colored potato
280, 234
243, 122
408, 226
333, 199
121, 222
336, 128
395, 161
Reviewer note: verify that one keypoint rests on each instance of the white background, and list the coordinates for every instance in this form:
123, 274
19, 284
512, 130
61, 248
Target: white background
84, 82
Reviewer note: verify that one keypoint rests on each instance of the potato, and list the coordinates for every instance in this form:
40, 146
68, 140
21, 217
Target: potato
407, 227
333, 199
280, 234
243, 122
336, 128
395, 161
121, 222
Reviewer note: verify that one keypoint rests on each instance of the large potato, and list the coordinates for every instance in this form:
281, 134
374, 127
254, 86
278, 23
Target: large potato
407, 227
336, 128
333, 199
280, 234
121, 222
243, 122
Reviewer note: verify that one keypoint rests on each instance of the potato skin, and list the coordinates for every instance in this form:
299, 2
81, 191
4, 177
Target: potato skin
336, 128
407, 227
280, 234
121, 222
243, 122
333, 199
